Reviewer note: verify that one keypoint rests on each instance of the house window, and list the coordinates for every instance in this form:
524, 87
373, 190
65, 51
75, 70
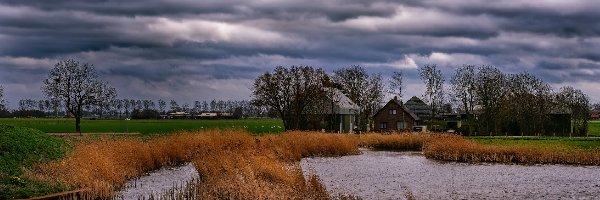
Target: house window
401, 125
392, 112
383, 125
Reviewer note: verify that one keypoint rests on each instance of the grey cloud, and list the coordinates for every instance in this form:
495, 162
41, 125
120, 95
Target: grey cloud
169, 47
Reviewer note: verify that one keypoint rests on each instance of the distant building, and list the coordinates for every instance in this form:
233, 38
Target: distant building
177, 115
335, 113
208, 114
395, 116
419, 108
341, 112
595, 115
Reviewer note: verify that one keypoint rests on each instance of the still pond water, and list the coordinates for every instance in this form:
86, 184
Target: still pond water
393, 175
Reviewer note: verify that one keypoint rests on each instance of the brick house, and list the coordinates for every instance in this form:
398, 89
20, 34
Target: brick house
394, 116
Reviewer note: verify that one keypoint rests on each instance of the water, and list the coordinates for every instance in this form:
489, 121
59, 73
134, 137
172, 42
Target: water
158, 182
394, 175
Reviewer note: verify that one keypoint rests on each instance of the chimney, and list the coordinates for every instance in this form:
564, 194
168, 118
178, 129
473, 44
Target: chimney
395, 97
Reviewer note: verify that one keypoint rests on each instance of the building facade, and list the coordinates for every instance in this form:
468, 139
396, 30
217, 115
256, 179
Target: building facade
394, 116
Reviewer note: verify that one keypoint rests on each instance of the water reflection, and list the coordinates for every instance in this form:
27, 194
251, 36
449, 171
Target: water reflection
394, 175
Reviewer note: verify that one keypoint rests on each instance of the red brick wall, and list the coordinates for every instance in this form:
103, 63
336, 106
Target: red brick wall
392, 120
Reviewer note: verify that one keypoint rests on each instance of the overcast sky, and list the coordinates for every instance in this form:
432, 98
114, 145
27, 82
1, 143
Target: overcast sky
213, 49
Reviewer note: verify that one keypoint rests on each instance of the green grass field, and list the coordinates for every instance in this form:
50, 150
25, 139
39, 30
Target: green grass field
59, 125
594, 128
23, 148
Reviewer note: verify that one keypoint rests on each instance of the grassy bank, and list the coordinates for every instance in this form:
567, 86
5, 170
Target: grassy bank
547, 142
63, 125
594, 128
267, 165
20, 149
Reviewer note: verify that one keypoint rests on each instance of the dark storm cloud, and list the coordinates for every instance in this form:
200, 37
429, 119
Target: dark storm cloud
198, 49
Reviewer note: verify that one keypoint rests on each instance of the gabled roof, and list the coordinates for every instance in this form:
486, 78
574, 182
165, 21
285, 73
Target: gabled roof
343, 101
342, 104
398, 102
418, 107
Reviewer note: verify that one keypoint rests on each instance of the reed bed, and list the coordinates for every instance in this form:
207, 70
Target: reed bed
397, 141
459, 149
232, 163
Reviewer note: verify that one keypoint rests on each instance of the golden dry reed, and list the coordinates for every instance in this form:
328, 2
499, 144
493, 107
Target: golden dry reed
396, 141
232, 163
236, 165
459, 149
266, 167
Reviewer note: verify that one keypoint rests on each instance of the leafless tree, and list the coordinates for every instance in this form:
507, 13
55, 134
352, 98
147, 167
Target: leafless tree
289, 91
77, 85
490, 93
595, 107
579, 105
464, 90
174, 106
526, 104
162, 105
396, 84
363, 89
127, 106
434, 87
3, 106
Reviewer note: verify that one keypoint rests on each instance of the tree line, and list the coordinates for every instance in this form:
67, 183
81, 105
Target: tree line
495, 102
136, 108
491, 101
298, 94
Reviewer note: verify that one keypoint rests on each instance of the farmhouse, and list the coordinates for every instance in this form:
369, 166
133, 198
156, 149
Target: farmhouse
335, 113
395, 116
341, 112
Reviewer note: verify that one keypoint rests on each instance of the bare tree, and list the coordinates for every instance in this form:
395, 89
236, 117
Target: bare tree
3, 106
127, 106
579, 105
491, 87
396, 84
162, 105
363, 89
148, 105
289, 92
174, 106
596, 107
434, 87
526, 104
464, 90
77, 85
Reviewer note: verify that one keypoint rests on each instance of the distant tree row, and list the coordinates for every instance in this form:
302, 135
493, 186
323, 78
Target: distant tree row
137, 109
492, 101
516, 104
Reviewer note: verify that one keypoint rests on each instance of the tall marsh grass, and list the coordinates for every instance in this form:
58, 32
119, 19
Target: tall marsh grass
459, 149
396, 142
231, 163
